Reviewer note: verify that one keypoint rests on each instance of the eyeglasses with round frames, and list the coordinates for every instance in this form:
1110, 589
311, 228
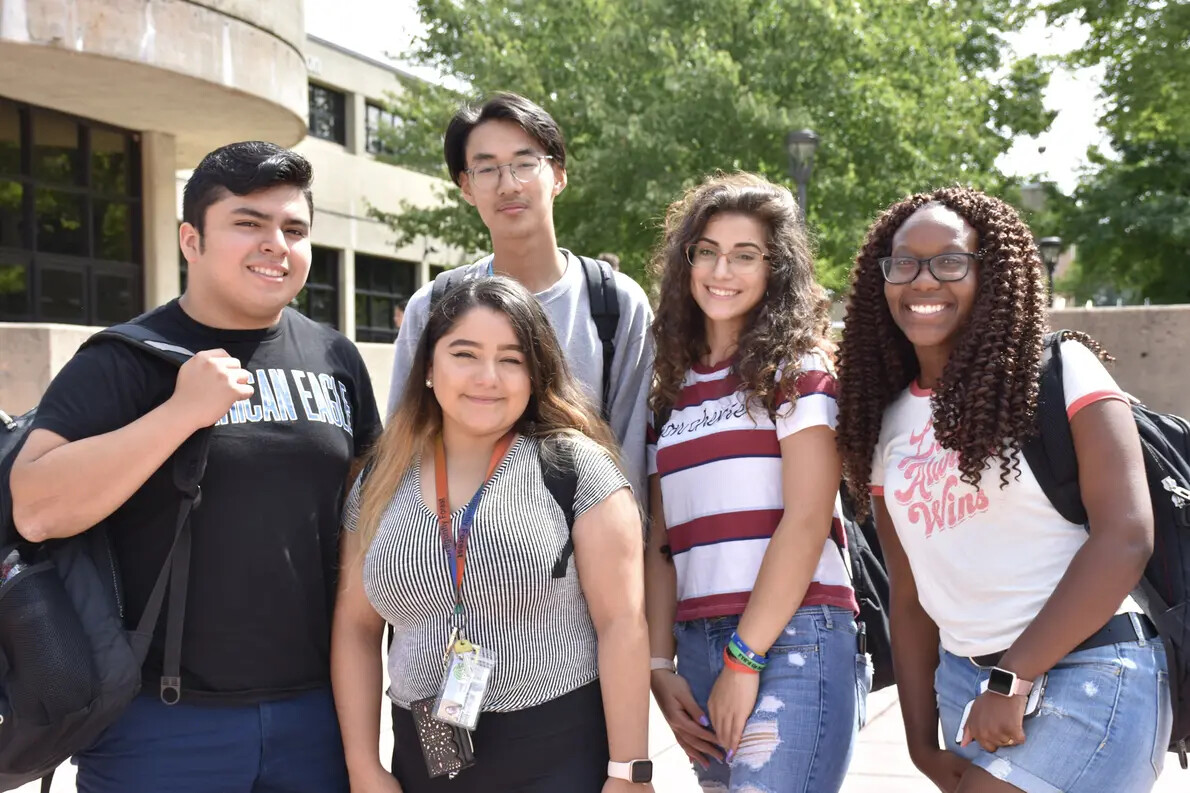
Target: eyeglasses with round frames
944, 267
701, 254
524, 169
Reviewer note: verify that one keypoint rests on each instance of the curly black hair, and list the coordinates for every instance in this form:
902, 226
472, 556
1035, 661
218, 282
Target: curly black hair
792, 318
985, 403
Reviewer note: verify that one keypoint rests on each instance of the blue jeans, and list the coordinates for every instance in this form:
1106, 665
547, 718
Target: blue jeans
1103, 723
811, 702
284, 746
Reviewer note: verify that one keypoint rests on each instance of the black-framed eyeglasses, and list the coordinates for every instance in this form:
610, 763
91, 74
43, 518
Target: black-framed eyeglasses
524, 169
743, 260
944, 267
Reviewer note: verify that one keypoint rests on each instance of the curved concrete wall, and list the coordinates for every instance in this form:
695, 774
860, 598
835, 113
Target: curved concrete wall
206, 72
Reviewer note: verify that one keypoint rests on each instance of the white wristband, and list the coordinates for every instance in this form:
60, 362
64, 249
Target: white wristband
662, 663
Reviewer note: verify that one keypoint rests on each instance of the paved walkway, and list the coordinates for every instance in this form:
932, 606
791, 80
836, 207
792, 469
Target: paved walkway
880, 763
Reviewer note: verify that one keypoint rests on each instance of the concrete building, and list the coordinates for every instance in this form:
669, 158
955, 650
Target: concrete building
105, 103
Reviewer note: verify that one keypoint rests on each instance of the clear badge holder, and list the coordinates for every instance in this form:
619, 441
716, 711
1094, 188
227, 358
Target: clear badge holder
464, 684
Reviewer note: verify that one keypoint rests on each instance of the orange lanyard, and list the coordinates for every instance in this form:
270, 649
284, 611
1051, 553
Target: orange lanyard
456, 550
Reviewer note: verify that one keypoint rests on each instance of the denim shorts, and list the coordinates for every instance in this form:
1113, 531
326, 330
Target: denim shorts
1103, 723
810, 705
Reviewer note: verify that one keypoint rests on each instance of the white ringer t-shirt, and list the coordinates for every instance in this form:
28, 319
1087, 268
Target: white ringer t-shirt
985, 561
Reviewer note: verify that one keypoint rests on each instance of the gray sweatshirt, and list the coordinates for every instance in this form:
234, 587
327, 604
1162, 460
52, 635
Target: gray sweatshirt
567, 305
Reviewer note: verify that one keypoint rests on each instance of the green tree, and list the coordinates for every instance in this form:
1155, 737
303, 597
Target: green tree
653, 95
1131, 213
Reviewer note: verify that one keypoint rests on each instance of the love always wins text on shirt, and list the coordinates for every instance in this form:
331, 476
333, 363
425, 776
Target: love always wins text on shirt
934, 495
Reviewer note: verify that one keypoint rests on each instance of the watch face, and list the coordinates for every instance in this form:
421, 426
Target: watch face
642, 771
1001, 682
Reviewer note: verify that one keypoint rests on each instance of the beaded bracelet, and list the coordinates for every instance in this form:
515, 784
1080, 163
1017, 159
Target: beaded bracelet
737, 643
736, 655
732, 663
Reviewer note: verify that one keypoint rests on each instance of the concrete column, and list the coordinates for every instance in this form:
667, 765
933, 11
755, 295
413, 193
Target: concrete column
159, 205
347, 293
357, 123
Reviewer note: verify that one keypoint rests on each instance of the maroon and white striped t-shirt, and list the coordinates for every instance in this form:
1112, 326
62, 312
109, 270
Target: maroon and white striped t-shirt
720, 467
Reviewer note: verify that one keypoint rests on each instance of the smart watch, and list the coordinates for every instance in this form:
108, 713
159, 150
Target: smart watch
1007, 684
638, 771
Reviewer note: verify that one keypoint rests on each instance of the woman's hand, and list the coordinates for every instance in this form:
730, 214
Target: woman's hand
945, 769
685, 718
996, 721
730, 704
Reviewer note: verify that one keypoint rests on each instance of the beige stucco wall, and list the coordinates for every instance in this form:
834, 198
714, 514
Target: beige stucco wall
206, 71
1148, 343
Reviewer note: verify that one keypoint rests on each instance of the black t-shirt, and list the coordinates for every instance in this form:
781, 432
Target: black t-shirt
265, 537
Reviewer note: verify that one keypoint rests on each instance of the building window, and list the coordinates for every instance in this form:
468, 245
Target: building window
70, 219
319, 298
328, 118
379, 284
377, 120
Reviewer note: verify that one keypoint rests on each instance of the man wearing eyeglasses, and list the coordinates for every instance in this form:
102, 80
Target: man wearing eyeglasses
508, 157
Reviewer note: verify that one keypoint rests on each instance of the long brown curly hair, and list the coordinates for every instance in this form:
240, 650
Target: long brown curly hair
792, 318
986, 400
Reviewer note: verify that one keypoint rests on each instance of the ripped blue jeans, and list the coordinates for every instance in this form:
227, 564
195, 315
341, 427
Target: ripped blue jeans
811, 703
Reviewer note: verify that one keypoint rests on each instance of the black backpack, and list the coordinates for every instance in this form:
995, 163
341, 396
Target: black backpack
869, 579
1164, 591
68, 665
605, 309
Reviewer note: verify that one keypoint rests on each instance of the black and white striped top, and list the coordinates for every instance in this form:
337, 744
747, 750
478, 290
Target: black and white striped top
538, 626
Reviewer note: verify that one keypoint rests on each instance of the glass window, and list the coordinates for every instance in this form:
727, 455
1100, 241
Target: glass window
377, 120
380, 284
56, 151
327, 114
14, 286
319, 298
63, 295
70, 225
115, 299
10, 138
109, 161
12, 216
59, 216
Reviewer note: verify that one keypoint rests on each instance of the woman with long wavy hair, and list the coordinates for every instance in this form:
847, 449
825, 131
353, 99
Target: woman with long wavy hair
745, 565
456, 540
1010, 625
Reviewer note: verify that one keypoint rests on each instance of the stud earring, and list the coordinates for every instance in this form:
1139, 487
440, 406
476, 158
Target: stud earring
429, 383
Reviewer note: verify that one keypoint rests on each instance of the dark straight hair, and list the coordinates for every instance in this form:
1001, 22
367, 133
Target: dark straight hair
242, 169
527, 115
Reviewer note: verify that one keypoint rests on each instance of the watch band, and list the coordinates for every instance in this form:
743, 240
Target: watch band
662, 663
637, 771
1017, 688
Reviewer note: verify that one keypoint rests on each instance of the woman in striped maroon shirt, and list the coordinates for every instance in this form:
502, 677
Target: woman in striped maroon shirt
769, 689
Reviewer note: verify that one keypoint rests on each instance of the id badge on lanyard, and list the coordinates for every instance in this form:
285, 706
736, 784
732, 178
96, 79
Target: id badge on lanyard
467, 666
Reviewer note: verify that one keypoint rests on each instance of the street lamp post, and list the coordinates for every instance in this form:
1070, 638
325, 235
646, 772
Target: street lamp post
1051, 249
800, 145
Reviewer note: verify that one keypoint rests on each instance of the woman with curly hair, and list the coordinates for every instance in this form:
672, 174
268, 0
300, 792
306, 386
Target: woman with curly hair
1010, 625
744, 478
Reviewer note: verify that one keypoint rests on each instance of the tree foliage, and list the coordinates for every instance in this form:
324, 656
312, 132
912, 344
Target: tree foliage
1131, 214
653, 95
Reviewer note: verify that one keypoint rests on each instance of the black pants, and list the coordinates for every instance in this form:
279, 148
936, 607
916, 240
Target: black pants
557, 746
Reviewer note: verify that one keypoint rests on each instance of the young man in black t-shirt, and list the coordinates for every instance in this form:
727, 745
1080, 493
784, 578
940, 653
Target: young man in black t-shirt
292, 406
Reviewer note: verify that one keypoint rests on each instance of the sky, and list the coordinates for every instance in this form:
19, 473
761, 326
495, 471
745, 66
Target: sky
378, 27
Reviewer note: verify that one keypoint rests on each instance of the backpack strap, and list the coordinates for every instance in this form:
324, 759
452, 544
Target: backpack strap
1051, 454
605, 312
561, 479
443, 282
190, 463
